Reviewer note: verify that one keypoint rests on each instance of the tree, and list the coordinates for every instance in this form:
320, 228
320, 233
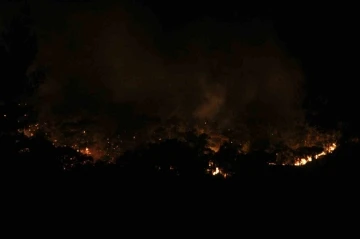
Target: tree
227, 156
17, 51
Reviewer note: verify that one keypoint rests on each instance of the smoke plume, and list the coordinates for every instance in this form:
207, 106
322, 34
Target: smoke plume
113, 69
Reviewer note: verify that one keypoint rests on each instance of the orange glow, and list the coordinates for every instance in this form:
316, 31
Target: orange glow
112, 148
214, 170
327, 150
85, 151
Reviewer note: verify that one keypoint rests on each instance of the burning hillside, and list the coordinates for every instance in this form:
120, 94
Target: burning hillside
110, 86
296, 151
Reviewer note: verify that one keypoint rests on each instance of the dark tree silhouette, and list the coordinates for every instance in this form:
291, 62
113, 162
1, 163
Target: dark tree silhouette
18, 49
227, 157
171, 157
17, 52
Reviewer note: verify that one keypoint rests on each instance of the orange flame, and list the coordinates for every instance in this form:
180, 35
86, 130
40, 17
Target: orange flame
302, 161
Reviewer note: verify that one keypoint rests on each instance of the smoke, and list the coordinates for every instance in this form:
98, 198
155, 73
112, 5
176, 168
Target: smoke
213, 101
113, 69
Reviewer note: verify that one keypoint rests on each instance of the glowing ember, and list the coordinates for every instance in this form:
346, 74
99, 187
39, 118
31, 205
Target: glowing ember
302, 161
217, 171
85, 151
214, 170
31, 130
109, 148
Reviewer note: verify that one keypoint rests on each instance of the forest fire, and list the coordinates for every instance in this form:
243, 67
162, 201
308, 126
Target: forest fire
216, 171
111, 148
85, 151
327, 150
121, 93
216, 141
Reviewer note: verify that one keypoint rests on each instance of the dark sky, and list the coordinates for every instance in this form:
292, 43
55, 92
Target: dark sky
146, 52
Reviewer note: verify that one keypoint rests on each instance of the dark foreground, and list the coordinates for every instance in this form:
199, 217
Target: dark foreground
269, 195
338, 171
336, 175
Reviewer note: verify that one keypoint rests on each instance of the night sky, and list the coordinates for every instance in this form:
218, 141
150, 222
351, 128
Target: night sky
123, 67
318, 36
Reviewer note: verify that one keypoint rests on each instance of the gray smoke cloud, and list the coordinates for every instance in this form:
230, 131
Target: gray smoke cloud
114, 64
